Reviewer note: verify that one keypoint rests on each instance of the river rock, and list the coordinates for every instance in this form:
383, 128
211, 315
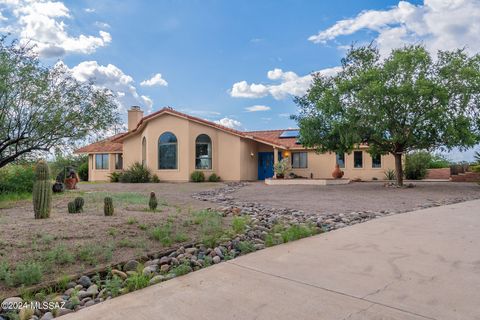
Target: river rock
85, 281
120, 274
131, 265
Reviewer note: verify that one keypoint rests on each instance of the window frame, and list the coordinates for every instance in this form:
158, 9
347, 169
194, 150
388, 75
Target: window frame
361, 153
380, 162
144, 151
209, 151
103, 156
118, 159
159, 144
299, 161
336, 159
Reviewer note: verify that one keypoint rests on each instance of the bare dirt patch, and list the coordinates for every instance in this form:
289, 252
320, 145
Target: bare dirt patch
90, 238
358, 196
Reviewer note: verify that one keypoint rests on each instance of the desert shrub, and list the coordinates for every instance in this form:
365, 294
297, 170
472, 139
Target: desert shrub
167, 235
27, 273
92, 254
475, 168
390, 174
113, 285
416, 165
296, 232
239, 224
136, 173
136, 281
115, 176
17, 178
59, 255
83, 171
182, 269
197, 176
246, 247
438, 161
155, 179
281, 234
211, 229
214, 178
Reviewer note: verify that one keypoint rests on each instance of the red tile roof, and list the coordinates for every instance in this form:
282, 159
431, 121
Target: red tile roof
270, 137
106, 145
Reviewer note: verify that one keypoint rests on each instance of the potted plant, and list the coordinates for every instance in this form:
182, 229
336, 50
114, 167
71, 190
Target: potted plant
281, 168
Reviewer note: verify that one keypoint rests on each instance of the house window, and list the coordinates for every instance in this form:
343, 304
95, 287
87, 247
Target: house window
341, 160
299, 160
101, 161
358, 159
144, 151
167, 151
118, 161
203, 152
376, 161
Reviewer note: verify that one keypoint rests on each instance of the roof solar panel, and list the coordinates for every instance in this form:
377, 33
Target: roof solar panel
290, 134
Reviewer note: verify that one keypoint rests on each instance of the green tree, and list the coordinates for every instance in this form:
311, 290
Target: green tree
406, 101
45, 107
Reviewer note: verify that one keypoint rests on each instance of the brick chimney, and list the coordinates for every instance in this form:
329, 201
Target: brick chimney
135, 114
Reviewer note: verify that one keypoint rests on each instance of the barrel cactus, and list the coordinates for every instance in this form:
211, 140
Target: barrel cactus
42, 191
108, 207
79, 202
72, 208
153, 203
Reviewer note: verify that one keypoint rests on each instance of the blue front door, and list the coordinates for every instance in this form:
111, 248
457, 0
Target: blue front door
265, 165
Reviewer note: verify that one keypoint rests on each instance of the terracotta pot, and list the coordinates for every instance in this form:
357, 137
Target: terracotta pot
337, 173
71, 183
280, 176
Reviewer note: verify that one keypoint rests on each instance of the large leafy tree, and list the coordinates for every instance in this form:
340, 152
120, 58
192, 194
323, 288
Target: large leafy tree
45, 107
406, 101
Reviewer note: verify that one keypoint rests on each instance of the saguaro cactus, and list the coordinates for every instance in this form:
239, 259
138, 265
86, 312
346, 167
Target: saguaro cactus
153, 203
79, 202
108, 207
42, 191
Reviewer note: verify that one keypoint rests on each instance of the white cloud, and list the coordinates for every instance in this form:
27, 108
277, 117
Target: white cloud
102, 25
284, 115
89, 10
290, 84
229, 123
156, 80
257, 108
113, 78
41, 24
438, 24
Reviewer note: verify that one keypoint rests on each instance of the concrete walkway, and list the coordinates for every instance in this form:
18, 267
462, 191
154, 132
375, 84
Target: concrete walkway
418, 265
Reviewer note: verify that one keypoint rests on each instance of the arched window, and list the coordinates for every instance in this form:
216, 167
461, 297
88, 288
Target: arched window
144, 151
167, 151
203, 152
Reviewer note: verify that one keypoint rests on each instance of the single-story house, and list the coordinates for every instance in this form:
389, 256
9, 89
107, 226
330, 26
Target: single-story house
174, 144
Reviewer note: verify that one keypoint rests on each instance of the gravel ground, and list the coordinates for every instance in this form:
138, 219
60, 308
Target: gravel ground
357, 196
23, 238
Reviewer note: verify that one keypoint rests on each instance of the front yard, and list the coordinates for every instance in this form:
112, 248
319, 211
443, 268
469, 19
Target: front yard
204, 223
68, 244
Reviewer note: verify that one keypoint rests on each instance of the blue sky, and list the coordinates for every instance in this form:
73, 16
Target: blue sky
214, 57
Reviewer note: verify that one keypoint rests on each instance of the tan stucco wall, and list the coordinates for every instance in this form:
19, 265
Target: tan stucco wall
249, 163
231, 155
226, 149
100, 174
322, 165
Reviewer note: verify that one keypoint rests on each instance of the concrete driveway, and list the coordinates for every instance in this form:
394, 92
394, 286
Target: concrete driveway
418, 265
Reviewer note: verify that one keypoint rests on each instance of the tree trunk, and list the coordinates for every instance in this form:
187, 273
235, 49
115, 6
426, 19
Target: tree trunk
398, 168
